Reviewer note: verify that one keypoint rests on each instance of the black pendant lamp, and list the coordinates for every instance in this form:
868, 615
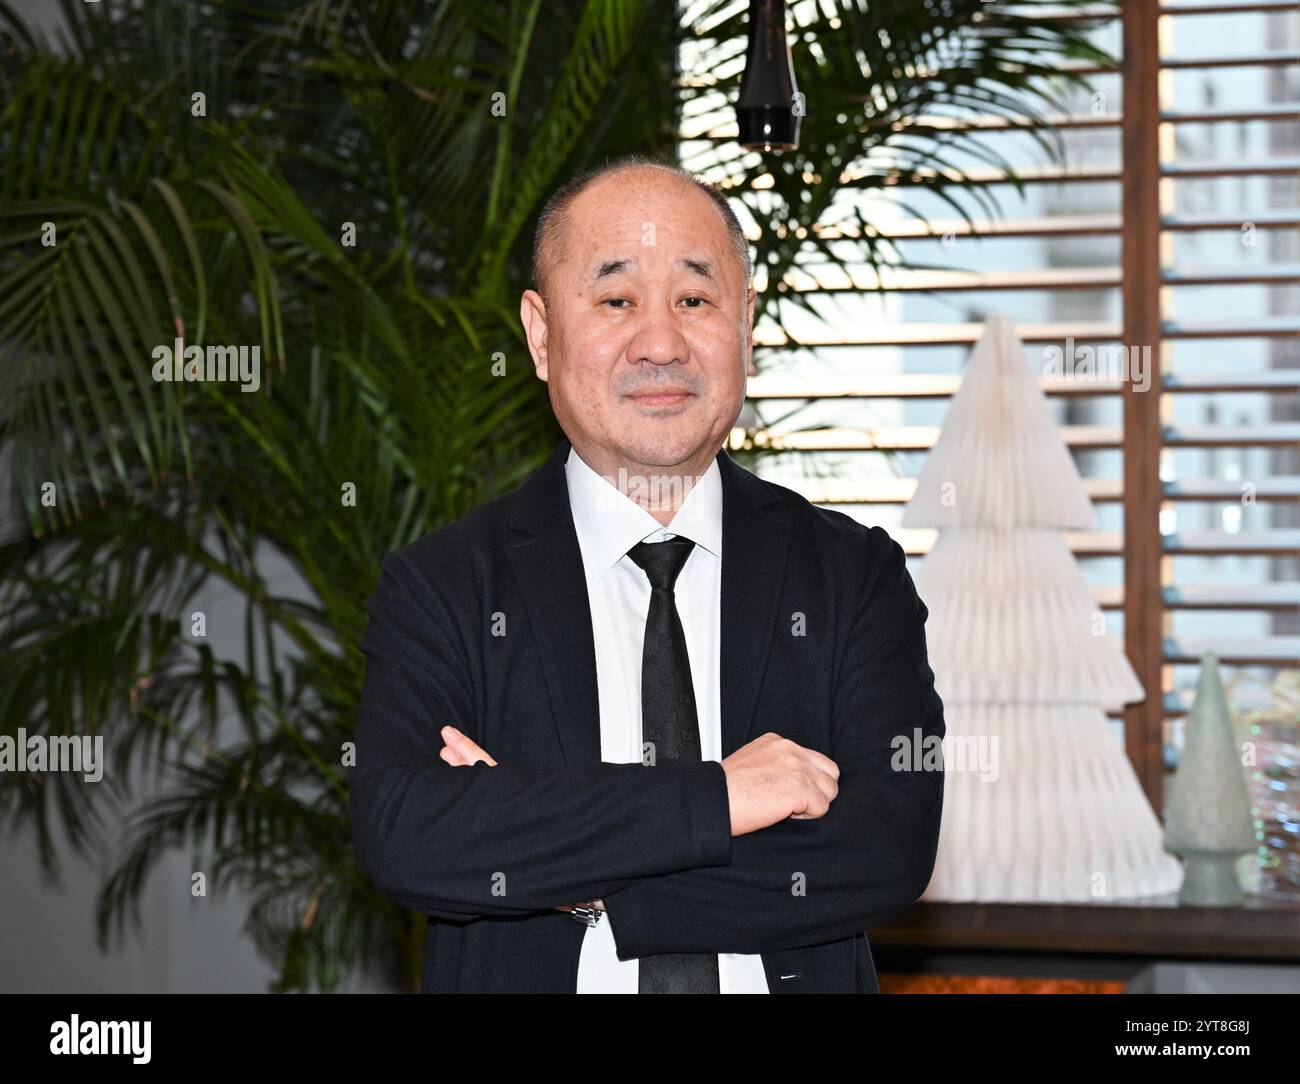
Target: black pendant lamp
765, 110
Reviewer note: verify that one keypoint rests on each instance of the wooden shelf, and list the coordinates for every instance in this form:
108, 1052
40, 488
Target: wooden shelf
1262, 929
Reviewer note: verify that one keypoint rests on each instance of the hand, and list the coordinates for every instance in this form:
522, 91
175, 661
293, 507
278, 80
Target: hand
772, 778
461, 752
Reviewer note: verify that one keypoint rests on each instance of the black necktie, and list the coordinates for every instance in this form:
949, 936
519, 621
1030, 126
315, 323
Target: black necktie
670, 725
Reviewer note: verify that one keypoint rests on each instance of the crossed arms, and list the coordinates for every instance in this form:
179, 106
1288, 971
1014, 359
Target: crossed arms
464, 842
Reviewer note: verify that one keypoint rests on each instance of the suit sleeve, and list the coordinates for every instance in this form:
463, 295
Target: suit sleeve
808, 882
461, 842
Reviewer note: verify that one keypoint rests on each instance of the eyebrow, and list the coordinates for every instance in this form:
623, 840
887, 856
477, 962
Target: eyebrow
701, 267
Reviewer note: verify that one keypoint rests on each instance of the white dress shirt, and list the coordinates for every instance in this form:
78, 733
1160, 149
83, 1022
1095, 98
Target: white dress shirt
608, 524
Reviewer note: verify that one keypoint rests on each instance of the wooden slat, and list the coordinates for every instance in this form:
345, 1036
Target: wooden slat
1260, 327
918, 541
1072, 69
1270, 111
1228, 9
1233, 596
1231, 651
917, 229
978, 178
1280, 58
1179, 704
1232, 436
1053, 122
1254, 597
1063, 68
884, 491
1272, 543
1261, 220
846, 491
1285, 274
1264, 380
1277, 488
889, 491
1268, 167
921, 334
909, 438
1141, 306
779, 385
905, 280
1087, 15
922, 437
725, 131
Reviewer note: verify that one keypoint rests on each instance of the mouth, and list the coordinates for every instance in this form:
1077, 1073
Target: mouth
661, 397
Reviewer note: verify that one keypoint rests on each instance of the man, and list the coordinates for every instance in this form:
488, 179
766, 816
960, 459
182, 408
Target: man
648, 690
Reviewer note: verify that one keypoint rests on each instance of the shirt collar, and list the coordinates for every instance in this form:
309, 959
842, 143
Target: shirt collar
609, 523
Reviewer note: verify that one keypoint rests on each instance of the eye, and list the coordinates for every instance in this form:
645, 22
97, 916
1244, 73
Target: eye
702, 300
612, 300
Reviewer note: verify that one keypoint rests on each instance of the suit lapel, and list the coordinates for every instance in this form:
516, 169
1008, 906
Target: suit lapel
547, 563
755, 540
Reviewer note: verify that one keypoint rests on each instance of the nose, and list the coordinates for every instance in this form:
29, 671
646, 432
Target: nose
657, 340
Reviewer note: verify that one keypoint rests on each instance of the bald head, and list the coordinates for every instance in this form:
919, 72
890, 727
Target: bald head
551, 242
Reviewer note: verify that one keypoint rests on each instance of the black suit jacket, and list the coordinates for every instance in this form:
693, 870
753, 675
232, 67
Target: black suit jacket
485, 624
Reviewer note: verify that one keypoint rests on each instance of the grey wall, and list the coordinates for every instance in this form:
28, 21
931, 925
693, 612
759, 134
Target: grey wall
184, 944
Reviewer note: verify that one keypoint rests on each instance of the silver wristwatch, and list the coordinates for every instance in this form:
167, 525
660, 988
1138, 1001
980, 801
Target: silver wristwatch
588, 916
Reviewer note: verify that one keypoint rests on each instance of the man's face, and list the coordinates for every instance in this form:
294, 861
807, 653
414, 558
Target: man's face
647, 338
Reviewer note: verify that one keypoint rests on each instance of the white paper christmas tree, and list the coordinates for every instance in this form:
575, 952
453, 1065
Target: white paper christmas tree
1040, 801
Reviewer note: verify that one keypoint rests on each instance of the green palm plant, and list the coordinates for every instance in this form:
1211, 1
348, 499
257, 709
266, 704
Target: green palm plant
172, 171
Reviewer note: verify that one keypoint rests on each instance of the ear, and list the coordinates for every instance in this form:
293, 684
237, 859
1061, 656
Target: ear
532, 314
749, 333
